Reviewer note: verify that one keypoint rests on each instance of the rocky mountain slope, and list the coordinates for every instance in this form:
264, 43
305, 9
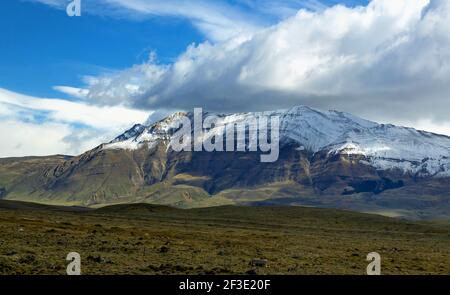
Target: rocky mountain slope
329, 159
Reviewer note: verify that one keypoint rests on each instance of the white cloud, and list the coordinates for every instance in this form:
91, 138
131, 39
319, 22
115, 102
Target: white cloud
72, 91
388, 61
216, 19
65, 111
25, 139
282, 9
38, 126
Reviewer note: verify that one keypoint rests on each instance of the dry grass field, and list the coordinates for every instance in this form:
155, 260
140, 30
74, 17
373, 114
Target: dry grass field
147, 239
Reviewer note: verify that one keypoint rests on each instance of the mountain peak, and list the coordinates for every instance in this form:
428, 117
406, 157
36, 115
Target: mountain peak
384, 146
321, 153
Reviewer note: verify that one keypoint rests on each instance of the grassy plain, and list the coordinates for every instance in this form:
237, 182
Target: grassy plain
148, 239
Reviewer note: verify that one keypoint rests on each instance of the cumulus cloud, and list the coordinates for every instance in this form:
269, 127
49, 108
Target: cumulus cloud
388, 61
38, 126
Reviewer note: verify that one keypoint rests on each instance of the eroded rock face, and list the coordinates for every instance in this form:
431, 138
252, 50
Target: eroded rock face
102, 176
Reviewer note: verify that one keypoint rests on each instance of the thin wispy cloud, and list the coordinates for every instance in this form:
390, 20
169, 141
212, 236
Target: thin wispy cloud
218, 19
40, 126
282, 9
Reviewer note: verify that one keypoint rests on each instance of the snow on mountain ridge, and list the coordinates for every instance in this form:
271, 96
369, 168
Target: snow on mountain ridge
384, 147
389, 147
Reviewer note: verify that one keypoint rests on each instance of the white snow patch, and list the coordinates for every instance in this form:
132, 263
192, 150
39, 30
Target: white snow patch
384, 147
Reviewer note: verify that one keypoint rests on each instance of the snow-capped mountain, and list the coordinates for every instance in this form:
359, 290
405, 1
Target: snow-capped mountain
326, 159
384, 147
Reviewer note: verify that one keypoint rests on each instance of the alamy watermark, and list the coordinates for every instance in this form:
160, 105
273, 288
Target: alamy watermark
74, 8
74, 267
254, 133
374, 267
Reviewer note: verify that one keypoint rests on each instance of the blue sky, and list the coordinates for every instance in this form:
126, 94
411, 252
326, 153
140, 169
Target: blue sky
68, 84
42, 46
